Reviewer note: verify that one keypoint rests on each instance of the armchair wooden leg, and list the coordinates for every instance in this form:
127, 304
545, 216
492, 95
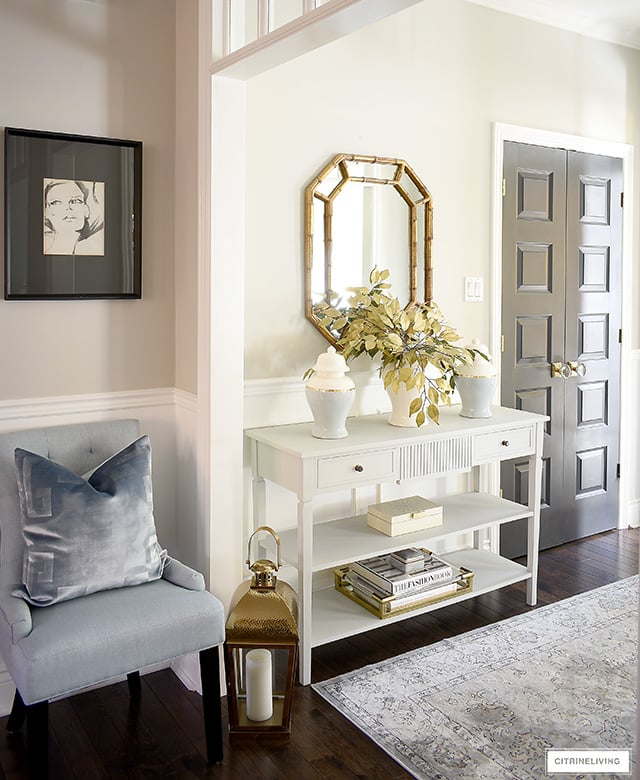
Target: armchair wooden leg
38, 740
133, 681
18, 713
211, 705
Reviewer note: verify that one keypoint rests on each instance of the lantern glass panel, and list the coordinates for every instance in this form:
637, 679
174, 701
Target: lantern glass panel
279, 679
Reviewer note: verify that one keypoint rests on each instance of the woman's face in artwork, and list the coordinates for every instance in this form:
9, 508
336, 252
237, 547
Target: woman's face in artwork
65, 207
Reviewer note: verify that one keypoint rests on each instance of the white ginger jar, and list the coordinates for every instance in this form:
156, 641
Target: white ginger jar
476, 383
330, 395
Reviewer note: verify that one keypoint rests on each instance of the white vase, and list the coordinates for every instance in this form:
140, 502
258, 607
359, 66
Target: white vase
476, 393
330, 395
476, 383
400, 403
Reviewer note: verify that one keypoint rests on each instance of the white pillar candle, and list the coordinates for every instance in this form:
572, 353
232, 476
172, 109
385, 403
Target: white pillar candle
259, 691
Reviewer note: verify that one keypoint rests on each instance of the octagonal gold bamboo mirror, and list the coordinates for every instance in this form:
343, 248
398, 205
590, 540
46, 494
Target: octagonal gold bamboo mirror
362, 212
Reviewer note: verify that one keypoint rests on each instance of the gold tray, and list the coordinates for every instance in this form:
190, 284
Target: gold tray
389, 606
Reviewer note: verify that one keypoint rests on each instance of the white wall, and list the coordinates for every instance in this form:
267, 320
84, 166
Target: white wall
186, 195
103, 69
109, 70
426, 85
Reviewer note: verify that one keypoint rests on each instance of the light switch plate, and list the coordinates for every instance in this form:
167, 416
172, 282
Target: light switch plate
473, 288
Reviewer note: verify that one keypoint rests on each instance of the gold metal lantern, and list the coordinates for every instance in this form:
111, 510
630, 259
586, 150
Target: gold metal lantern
261, 650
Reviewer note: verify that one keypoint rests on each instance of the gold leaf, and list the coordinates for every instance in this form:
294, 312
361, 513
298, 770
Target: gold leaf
415, 405
420, 418
404, 374
433, 413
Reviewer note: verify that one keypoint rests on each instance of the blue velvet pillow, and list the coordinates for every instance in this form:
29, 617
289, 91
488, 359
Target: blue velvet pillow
84, 535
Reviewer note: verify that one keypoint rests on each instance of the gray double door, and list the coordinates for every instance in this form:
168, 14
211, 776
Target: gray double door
561, 307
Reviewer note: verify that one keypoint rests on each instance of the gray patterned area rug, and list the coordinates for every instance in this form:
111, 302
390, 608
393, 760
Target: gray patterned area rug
489, 703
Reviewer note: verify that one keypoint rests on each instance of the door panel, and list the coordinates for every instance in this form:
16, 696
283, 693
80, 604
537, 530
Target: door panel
593, 306
533, 279
561, 305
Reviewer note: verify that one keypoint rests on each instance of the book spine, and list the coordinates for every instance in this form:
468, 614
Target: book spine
424, 594
363, 586
390, 604
408, 582
377, 579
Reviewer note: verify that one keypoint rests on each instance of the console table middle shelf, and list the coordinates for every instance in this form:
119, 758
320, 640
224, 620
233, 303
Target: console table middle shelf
373, 453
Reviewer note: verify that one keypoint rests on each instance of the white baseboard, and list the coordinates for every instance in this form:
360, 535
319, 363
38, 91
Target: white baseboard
7, 691
187, 670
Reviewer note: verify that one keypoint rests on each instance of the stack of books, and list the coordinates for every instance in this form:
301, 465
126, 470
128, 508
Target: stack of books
400, 581
404, 515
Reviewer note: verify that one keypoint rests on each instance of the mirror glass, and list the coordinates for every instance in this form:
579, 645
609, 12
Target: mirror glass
362, 212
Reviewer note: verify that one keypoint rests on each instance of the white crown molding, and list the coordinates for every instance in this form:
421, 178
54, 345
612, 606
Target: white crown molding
617, 21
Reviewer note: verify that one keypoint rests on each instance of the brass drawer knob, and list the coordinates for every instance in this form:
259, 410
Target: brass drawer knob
358, 467
505, 442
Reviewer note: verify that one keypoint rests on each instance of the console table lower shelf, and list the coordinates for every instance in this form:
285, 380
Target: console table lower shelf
335, 616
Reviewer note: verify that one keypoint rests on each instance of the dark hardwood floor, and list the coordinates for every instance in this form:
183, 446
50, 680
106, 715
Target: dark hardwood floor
101, 734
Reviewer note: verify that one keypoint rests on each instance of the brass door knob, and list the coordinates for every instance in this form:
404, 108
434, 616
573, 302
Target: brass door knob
560, 369
577, 369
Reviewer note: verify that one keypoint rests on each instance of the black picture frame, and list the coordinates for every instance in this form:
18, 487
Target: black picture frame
73, 216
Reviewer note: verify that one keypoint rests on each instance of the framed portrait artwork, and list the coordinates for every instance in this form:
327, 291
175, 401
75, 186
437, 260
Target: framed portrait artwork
73, 209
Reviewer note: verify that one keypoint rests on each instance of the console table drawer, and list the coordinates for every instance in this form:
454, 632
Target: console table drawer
358, 468
503, 445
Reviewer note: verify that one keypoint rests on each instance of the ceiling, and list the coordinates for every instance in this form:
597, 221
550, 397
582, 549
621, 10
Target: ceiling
617, 21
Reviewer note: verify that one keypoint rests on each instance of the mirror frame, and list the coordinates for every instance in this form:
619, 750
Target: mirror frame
327, 202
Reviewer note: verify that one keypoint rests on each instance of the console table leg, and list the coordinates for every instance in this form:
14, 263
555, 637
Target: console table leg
305, 587
533, 525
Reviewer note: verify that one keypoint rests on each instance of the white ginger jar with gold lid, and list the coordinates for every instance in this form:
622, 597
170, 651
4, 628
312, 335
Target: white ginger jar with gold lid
476, 383
330, 394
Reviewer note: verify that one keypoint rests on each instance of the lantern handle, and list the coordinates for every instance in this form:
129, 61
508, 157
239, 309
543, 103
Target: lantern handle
277, 539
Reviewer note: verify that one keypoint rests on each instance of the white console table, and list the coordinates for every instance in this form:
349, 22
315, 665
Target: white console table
374, 453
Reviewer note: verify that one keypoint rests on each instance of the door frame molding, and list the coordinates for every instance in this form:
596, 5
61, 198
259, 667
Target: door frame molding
506, 132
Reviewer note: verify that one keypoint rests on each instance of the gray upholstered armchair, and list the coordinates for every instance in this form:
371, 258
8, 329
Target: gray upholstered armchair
56, 639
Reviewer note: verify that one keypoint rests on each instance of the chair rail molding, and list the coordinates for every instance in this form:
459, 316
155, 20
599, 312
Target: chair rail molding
282, 400
61, 410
